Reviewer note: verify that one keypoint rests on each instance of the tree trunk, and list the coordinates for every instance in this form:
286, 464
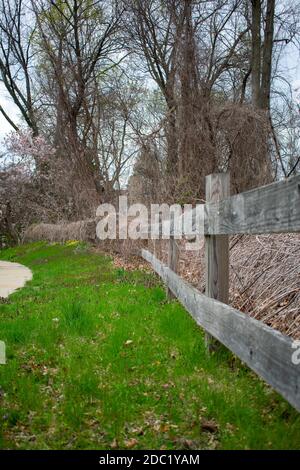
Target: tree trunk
85, 192
171, 130
267, 56
189, 96
256, 52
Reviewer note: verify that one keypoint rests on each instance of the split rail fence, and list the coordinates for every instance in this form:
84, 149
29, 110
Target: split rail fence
274, 208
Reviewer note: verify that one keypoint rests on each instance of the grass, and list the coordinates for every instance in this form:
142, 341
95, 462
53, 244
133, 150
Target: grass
98, 359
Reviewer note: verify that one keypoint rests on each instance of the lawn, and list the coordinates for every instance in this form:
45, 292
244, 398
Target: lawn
97, 358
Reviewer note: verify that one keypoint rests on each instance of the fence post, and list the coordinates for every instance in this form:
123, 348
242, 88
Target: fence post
216, 250
173, 253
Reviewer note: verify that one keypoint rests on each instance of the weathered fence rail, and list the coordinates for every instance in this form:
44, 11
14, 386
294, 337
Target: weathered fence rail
274, 208
271, 209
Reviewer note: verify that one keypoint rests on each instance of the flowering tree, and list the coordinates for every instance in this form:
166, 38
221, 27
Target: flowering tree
25, 145
33, 184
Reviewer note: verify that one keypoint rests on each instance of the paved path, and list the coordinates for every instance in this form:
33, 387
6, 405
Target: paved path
12, 277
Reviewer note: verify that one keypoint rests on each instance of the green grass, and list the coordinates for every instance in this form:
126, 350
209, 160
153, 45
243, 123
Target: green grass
97, 358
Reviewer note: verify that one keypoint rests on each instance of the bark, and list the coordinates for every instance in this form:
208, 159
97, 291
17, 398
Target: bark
262, 54
188, 85
256, 52
171, 131
267, 56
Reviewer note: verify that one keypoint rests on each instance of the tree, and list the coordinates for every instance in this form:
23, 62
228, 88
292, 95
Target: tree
153, 33
262, 53
256, 53
16, 59
77, 40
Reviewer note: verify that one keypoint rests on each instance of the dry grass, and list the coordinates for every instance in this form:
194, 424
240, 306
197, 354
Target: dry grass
83, 230
264, 277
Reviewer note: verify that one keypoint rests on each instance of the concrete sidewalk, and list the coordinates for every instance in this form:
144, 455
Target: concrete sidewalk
12, 277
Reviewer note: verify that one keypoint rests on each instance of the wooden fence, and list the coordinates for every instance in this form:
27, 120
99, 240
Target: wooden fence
270, 209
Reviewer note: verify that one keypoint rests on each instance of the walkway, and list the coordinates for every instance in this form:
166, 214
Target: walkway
12, 277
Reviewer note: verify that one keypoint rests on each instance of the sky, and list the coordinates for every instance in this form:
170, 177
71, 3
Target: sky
10, 108
290, 61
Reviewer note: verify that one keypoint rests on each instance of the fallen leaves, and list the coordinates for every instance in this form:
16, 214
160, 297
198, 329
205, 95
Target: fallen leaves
134, 263
230, 428
130, 443
139, 431
174, 354
168, 385
186, 444
114, 444
209, 425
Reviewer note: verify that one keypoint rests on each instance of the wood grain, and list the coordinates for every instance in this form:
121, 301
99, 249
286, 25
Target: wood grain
269, 209
173, 256
216, 250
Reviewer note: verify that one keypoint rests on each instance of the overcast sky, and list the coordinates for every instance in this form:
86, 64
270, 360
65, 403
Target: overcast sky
11, 110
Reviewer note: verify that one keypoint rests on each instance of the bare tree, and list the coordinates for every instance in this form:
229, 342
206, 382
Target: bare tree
78, 42
262, 52
153, 29
16, 59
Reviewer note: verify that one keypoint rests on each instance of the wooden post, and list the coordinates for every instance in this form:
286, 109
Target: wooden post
173, 253
216, 250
